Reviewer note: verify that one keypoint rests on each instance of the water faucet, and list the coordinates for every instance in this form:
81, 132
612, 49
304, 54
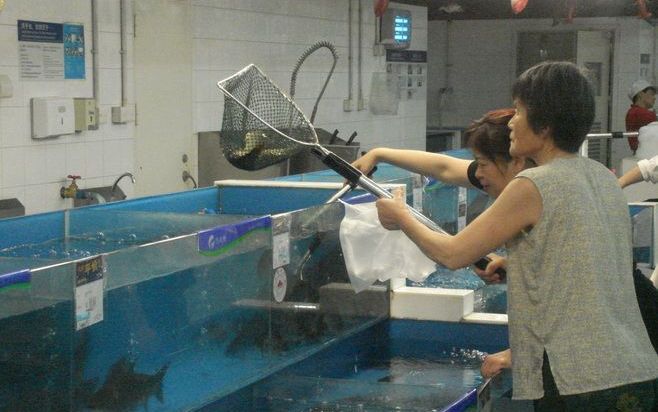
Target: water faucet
187, 176
71, 190
116, 182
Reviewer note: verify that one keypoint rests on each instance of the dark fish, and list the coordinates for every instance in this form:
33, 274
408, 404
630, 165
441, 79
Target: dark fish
216, 331
255, 332
124, 388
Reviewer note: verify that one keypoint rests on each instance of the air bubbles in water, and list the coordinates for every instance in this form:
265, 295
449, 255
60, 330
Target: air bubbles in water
466, 356
100, 236
132, 237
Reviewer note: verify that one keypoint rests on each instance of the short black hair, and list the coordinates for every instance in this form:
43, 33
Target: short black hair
558, 96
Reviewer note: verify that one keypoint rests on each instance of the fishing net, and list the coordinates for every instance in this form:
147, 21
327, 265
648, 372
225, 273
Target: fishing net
261, 126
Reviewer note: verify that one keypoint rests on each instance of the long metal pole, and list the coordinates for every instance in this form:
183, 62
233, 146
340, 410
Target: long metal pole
611, 135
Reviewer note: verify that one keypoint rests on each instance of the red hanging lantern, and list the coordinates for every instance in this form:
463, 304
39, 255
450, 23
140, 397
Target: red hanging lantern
518, 5
380, 7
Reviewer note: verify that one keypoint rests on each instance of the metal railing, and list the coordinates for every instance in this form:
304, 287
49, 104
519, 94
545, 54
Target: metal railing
586, 148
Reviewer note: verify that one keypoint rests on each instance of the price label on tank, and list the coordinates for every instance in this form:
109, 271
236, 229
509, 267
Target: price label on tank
280, 240
279, 285
462, 195
89, 275
417, 193
418, 199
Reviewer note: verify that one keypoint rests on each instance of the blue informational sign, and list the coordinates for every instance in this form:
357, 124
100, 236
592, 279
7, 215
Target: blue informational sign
16, 280
74, 51
39, 31
214, 241
51, 51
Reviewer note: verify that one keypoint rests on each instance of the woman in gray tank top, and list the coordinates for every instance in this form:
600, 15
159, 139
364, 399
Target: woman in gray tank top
576, 334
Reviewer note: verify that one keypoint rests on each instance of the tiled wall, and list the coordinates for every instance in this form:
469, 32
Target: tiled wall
34, 170
273, 34
228, 34
480, 57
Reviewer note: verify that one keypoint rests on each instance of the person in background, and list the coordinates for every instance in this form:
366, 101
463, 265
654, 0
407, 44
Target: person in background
491, 170
646, 170
643, 97
568, 349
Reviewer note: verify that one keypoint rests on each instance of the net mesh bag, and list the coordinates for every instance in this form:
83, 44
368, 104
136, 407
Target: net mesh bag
261, 126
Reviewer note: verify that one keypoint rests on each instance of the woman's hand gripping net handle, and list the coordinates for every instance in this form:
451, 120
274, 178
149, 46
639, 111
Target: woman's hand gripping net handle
355, 177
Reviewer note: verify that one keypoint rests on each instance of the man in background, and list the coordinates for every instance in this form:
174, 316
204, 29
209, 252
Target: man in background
643, 97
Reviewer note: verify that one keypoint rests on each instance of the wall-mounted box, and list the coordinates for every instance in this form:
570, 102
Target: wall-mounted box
123, 114
86, 117
52, 116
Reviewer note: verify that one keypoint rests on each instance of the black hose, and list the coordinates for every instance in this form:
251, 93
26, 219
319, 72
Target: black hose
308, 52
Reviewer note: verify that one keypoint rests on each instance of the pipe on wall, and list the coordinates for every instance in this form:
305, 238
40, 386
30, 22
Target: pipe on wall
94, 49
122, 50
359, 104
347, 103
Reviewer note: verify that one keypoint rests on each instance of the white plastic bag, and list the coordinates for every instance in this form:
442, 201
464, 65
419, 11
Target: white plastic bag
373, 252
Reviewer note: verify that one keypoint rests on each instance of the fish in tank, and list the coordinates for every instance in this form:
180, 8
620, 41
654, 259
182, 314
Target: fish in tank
124, 388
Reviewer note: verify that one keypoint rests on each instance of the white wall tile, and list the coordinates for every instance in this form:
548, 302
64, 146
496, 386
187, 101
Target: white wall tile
109, 46
8, 45
95, 158
13, 167
15, 126
36, 166
109, 87
76, 159
208, 116
117, 157
13, 11
55, 163
35, 198
109, 16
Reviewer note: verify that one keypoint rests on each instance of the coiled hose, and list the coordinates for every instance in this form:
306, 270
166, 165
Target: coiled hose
308, 52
